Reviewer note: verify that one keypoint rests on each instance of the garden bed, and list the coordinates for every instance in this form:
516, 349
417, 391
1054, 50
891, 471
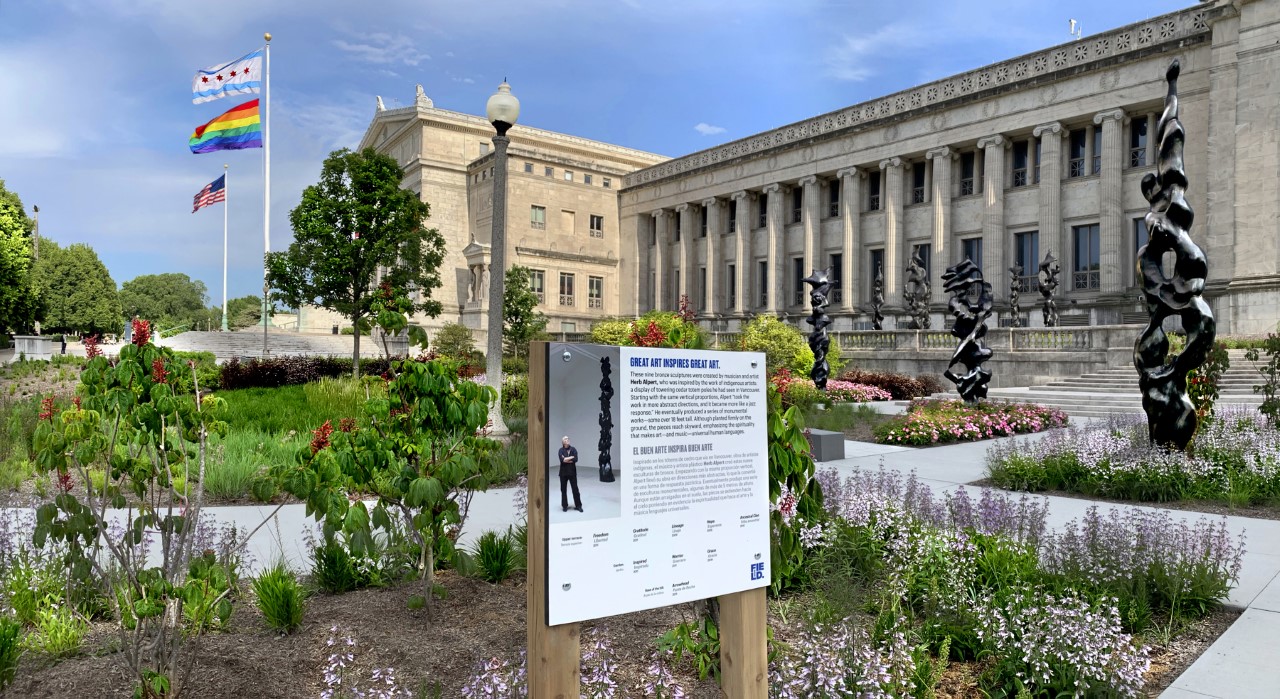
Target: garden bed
1234, 461
931, 422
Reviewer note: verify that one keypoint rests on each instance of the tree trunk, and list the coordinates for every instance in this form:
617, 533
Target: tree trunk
428, 575
355, 351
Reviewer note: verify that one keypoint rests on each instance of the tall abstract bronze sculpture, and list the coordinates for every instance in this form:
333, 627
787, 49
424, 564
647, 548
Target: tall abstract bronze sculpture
819, 342
877, 300
606, 422
917, 293
1171, 418
1015, 286
1048, 277
970, 303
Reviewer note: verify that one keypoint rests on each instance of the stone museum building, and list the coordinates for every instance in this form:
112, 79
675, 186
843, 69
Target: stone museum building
562, 215
1005, 164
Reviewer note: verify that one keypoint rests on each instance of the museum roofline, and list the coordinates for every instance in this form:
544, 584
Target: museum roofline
1036, 67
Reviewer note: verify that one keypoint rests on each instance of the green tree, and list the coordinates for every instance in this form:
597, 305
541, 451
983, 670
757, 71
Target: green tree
354, 228
77, 292
523, 322
243, 312
454, 341
19, 299
167, 300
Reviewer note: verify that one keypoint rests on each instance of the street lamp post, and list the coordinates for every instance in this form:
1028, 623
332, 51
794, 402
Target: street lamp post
502, 110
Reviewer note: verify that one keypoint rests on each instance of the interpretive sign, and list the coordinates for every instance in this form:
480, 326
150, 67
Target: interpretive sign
657, 478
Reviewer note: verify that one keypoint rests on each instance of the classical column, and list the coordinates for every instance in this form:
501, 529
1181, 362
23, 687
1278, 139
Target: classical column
850, 210
940, 197
1053, 235
891, 200
993, 211
1110, 211
810, 218
659, 259
635, 224
774, 224
1152, 141
741, 218
711, 304
685, 214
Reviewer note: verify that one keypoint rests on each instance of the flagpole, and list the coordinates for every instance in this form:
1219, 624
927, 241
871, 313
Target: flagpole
266, 186
226, 202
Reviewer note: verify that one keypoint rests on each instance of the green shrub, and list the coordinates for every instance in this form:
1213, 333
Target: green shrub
515, 390
782, 344
611, 331
58, 629
454, 340
515, 365
495, 556
675, 331
334, 570
10, 649
279, 598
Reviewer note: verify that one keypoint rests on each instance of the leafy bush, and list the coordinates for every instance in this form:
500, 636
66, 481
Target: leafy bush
279, 598
899, 386
10, 649
272, 372
495, 556
58, 629
454, 340
334, 570
943, 421
653, 329
515, 391
782, 344
364, 332
515, 365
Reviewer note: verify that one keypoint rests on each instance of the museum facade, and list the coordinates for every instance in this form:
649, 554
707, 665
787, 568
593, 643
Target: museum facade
1037, 155
1007, 164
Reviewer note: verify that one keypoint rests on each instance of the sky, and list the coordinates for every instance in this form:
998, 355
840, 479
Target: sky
95, 105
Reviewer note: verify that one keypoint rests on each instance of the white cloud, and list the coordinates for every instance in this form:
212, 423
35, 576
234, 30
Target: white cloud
857, 57
706, 129
465, 81
383, 48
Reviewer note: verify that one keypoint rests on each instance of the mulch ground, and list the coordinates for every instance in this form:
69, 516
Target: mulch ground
475, 621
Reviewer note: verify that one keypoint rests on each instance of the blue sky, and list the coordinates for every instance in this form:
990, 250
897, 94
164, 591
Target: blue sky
97, 110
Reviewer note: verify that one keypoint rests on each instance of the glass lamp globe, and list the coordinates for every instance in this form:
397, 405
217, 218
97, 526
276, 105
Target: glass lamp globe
503, 107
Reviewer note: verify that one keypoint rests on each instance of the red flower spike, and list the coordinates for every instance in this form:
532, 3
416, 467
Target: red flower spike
141, 332
347, 424
158, 372
321, 439
91, 348
46, 408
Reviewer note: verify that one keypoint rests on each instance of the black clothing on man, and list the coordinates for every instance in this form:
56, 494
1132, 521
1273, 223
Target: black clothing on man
569, 476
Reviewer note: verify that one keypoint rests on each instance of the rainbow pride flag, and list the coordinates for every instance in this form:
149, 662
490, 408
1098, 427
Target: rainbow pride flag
240, 127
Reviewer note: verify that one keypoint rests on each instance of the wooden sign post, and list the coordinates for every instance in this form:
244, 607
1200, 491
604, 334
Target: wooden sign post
554, 653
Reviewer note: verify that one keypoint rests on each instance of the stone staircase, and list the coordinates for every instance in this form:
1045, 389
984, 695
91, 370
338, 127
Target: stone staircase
1115, 390
248, 343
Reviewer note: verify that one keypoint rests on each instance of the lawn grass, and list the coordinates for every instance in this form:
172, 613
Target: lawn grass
857, 421
293, 408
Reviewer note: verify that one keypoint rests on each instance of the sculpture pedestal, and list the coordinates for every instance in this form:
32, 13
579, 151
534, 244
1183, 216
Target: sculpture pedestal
826, 445
32, 346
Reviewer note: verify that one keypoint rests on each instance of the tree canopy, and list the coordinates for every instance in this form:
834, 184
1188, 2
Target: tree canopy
76, 290
19, 302
354, 229
519, 304
169, 299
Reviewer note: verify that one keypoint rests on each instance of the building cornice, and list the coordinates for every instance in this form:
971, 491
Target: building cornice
1175, 30
568, 256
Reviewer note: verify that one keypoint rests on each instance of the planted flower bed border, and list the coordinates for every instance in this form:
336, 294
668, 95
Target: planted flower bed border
931, 421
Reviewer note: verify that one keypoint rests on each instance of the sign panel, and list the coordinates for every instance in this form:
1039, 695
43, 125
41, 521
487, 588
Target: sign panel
657, 478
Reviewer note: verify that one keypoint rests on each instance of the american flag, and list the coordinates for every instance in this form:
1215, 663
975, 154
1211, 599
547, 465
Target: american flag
212, 193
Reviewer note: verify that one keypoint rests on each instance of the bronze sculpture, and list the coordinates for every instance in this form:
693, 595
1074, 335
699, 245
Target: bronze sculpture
1015, 285
1048, 277
877, 300
819, 341
1171, 418
917, 293
970, 303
